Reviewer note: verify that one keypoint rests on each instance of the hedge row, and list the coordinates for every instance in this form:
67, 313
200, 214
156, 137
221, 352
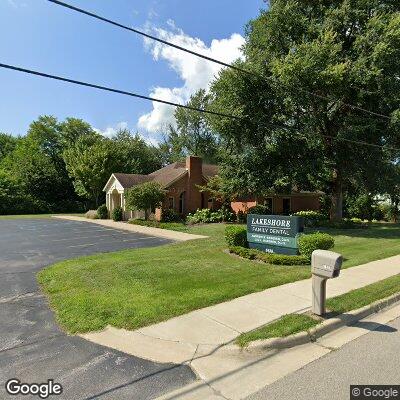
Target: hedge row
276, 259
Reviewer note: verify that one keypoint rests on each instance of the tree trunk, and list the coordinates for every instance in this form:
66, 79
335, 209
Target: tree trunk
336, 212
395, 209
145, 215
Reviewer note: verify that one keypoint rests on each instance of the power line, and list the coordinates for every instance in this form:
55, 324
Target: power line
112, 22
132, 94
108, 89
115, 23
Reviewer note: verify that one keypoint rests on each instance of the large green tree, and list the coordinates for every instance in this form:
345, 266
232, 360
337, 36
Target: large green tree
135, 156
309, 61
193, 134
90, 162
7, 144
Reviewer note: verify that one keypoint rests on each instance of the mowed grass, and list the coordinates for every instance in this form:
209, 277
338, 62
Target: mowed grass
360, 246
287, 325
134, 288
363, 296
294, 323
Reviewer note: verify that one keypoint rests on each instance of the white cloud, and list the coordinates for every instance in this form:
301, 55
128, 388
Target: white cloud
111, 131
195, 73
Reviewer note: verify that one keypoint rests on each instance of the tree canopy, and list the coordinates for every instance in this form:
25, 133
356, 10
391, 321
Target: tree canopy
309, 62
193, 134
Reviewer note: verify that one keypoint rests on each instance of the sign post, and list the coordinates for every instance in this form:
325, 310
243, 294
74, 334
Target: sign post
274, 233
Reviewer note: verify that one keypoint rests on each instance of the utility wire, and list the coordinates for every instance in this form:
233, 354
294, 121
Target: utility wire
110, 21
108, 89
132, 94
96, 16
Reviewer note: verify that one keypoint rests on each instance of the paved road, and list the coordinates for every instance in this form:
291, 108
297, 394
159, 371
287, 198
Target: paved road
371, 359
34, 349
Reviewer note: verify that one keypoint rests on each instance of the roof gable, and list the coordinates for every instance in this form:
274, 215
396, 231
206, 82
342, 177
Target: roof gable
164, 176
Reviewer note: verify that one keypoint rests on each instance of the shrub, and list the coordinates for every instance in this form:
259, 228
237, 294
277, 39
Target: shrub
276, 259
170, 215
117, 214
378, 213
344, 224
243, 252
312, 219
208, 216
315, 241
91, 214
283, 259
259, 209
102, 212
146, 196
226, 214
236, 236
241, 217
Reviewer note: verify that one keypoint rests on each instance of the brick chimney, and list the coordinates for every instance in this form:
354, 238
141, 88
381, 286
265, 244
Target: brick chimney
194, 166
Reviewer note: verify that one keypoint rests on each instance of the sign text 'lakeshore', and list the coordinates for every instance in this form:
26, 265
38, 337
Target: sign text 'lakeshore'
274, 233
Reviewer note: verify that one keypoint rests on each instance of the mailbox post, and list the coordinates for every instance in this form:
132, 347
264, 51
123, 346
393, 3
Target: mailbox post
324, 265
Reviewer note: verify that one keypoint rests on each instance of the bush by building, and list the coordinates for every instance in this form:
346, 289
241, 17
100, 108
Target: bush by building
206, 215
117, 214
312, 219
169, 215
91, 214
260, 209
102, 212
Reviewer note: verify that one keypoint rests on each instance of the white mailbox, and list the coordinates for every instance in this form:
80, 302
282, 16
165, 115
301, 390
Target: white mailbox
324, 265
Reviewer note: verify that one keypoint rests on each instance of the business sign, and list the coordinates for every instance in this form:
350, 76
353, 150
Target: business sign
274, 233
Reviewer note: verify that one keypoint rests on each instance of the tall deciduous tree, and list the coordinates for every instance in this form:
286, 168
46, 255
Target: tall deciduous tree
193, 134
135, 156
90, 162
308, 62
7, 144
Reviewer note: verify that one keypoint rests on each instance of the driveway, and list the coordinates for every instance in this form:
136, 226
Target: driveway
34, 349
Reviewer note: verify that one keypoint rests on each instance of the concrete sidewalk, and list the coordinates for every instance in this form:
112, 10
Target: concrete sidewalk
202, 332
163, 233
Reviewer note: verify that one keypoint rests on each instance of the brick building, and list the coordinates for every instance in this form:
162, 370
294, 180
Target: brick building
284, 204
181, 181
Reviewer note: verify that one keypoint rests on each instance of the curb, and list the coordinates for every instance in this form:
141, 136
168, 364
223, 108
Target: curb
146, 230
324, 328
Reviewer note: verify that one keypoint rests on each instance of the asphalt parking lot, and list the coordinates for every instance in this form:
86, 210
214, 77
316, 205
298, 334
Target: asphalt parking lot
34, 349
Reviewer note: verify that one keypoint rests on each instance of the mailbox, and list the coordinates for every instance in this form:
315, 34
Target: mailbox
324, 265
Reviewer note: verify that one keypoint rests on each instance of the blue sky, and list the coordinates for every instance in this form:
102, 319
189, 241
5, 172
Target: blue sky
39, 35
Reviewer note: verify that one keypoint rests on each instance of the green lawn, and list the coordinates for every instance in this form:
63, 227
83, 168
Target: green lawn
134, 288
295, 323
363, 296
286, 325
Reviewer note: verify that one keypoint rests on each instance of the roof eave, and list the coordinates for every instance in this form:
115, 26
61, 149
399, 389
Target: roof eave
108, 182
